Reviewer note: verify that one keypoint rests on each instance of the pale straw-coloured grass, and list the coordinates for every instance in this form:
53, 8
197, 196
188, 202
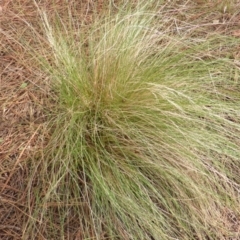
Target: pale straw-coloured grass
144, 132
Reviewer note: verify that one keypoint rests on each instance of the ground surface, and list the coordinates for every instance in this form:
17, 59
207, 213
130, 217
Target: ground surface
22, 103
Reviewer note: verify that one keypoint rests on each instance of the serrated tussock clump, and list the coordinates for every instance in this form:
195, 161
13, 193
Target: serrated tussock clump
144, 133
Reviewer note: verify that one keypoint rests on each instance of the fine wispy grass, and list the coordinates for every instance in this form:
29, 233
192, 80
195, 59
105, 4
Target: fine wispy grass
144, 132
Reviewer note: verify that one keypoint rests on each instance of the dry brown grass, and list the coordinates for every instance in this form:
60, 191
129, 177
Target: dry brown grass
23, 94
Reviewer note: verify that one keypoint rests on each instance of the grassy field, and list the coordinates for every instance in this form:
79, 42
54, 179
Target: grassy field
120, 120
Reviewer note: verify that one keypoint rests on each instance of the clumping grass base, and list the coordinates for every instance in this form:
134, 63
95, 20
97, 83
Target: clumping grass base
144, 133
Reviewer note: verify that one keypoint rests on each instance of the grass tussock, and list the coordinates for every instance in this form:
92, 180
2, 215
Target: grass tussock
144, 132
